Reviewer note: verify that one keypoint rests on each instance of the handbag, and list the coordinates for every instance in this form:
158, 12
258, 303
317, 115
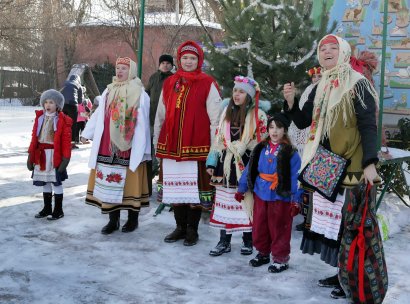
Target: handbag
362, 265
324, 173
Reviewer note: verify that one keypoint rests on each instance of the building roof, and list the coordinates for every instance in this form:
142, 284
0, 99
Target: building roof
99, 15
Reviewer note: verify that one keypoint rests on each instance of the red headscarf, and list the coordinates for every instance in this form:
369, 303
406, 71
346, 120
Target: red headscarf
173, 83
365, 64
329, 39
190, 47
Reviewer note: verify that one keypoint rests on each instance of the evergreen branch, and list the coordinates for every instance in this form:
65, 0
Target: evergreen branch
262, 60
246, 45
250, 70
265, 7
307, 56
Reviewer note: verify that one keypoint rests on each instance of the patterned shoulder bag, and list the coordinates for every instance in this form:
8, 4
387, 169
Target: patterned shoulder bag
324, 173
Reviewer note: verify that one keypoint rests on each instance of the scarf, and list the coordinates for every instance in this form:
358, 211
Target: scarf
123, 100
235, 149
181, 85
335, 96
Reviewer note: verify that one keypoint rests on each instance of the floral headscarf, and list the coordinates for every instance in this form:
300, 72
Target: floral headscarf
334, 95
123, 101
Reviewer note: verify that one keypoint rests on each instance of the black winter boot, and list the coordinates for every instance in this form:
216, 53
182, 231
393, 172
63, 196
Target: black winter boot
194, 216
224, 244
338, 293
132, 223
113, 224
247, 247
58, 208
259, 260
47, 209
278, 267
331, 282
300, 227
180, 214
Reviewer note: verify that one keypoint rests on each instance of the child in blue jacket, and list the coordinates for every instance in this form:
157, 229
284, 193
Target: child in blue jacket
271, 175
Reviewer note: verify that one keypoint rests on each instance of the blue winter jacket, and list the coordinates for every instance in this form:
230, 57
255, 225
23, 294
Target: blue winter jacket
72, 91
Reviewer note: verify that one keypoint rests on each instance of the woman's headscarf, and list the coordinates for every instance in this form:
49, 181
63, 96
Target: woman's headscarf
181, 80
124, 100
335, 95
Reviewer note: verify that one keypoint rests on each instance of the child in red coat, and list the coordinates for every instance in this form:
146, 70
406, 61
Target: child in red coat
50, 151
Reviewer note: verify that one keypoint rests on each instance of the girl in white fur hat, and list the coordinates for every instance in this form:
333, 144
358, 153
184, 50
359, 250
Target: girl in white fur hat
50, 152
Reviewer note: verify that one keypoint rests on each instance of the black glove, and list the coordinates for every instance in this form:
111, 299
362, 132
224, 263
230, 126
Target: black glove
30, 165
63, 165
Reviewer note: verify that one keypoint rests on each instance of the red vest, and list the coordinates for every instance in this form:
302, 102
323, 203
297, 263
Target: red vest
189, 138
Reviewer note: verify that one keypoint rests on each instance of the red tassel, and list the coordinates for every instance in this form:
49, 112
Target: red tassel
359, 241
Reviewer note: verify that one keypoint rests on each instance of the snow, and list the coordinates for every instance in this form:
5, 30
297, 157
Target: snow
20, 69
154, 19
100, 15
70, 261
265, 7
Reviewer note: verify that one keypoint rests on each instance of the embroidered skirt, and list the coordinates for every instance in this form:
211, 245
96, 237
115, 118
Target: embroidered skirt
185, 182
50, 174
327, 216
134, 193
227, 213
314, 242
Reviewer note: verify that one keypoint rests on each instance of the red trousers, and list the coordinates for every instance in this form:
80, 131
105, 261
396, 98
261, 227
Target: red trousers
271, 229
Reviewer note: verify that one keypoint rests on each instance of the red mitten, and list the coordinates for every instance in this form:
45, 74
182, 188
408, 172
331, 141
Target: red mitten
239, 196
294, 209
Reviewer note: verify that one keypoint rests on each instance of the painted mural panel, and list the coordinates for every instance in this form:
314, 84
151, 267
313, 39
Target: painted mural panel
361, 23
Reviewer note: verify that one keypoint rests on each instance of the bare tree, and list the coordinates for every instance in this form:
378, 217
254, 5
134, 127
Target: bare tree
32, 31
73, 14
217, 9
126, 20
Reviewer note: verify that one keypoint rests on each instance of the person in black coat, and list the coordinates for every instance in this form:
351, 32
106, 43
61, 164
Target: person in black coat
73, 95
154, 89
155, 82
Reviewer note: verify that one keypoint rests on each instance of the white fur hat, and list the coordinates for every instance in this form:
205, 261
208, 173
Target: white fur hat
55, 96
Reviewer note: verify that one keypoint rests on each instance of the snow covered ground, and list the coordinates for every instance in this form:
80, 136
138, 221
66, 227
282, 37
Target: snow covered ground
70, 261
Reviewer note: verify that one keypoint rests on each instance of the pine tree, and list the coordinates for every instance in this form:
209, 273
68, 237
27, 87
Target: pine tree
272, 41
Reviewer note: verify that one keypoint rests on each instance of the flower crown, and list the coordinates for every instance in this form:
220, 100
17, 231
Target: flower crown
313, 71
247, 80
